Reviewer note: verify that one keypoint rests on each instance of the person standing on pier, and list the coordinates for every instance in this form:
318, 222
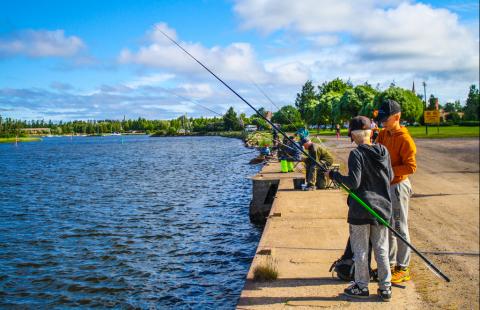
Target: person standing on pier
369, 176
402, 150
315, 178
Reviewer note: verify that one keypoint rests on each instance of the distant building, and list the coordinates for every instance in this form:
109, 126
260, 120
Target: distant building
182, 131
268, 115
36, 131
251, 128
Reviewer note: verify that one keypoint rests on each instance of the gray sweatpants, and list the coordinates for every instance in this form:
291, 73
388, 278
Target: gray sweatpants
399, 253
359, 236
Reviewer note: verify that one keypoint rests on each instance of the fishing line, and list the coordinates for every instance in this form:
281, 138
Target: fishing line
273, 103
189, 100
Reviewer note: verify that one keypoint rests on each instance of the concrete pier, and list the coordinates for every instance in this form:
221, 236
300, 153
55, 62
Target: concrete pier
304, 233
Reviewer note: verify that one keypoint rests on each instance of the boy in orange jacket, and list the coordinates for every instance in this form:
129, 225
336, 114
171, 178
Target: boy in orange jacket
402, 151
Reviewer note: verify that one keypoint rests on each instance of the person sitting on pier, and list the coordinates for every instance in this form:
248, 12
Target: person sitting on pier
369, 175
314, 177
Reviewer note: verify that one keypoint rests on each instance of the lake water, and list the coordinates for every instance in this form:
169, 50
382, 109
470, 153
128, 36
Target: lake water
125, 221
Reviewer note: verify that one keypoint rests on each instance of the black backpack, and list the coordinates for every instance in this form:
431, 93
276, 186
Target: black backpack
345, 269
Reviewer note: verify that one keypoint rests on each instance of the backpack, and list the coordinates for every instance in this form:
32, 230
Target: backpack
345, 269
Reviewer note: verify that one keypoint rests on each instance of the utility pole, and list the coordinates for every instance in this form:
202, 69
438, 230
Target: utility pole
425, 105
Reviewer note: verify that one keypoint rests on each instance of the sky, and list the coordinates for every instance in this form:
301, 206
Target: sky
72, 60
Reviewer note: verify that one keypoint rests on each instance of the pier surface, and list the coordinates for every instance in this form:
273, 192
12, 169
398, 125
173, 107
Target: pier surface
311, 233
305, 232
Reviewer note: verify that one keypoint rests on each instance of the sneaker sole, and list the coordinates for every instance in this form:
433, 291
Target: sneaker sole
356, 296
405, 279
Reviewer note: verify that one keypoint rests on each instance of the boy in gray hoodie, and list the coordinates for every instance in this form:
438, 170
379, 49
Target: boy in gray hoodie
369, 176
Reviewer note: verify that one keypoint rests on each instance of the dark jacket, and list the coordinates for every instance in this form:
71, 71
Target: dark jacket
320, 154
369, 175
293, 151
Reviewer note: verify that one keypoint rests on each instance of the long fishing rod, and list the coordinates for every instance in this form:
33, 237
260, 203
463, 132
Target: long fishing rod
323, 167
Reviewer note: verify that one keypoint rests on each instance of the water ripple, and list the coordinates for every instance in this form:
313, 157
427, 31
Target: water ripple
149, 223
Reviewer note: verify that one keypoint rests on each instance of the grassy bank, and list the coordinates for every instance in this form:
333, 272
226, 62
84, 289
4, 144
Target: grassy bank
444, 132
22, 139
419, 132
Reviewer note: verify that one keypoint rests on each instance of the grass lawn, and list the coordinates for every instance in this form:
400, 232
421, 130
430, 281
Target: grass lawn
419, 132
23, 139
444, 132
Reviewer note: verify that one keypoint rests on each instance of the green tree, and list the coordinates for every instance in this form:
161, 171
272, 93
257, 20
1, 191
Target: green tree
306, 101
471, 106
324, 110
432, 102
337, 86
328, 110
366, 94
230, 120
458, 106
449, 107
286, 115
412, 106
350, 105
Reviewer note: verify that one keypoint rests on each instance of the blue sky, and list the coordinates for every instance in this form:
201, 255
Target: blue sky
65, 60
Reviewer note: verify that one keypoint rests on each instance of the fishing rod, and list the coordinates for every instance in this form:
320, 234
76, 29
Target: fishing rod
323, 168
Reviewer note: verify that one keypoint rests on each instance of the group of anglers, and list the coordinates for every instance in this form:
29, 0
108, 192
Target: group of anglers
378, 170
377, 177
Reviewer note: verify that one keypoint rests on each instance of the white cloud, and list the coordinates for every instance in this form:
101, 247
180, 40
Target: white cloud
235, 62
324, 40
41, 43
149, 80
376, 41
197, 91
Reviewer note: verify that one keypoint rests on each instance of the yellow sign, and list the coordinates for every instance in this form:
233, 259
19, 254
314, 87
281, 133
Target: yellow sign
431, 117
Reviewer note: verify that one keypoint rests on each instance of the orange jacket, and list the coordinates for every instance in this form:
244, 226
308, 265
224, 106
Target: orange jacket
402, 151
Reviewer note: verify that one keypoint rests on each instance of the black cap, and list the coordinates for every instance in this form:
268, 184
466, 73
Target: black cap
359, 123
387, 108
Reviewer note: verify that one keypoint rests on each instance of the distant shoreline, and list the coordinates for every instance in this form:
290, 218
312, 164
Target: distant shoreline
20, 139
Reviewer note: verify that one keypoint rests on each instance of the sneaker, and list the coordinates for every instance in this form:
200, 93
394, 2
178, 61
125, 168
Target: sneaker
401, 275
355, 291
374, 273
385, 294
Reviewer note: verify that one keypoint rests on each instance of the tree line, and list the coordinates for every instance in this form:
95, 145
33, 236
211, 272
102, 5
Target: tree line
332, 102
336, 101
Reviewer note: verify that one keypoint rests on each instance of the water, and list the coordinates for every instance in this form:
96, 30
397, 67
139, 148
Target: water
125, 222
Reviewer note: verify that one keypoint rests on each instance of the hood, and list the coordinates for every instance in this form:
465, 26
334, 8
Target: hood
376, 151
402, 131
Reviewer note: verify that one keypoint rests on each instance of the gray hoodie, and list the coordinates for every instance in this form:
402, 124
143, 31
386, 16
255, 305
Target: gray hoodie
369, 175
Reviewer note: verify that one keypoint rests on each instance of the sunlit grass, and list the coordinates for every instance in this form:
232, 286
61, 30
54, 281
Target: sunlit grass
266, 271
22, 139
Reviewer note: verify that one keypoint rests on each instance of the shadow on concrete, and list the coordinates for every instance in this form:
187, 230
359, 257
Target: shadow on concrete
298, 282
293, 282
315, 301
